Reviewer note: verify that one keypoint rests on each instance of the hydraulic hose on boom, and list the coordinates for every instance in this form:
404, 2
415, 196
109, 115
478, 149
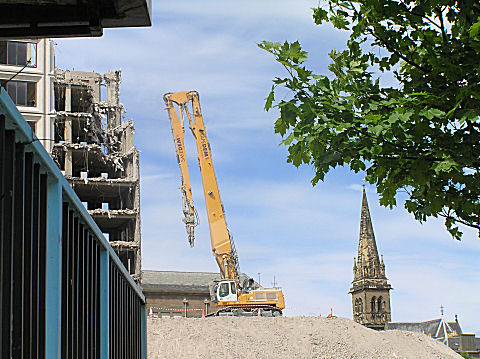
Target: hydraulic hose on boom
222, 242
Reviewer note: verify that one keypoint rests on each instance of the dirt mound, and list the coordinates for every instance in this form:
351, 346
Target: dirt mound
285, 337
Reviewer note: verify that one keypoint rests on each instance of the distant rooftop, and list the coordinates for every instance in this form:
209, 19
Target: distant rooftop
68, 18
179, 281
428, 327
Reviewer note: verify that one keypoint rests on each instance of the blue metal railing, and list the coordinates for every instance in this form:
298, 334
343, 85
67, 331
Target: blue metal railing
64, 293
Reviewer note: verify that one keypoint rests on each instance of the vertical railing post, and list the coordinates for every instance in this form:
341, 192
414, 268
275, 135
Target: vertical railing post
143, 318
104, 304
53, 269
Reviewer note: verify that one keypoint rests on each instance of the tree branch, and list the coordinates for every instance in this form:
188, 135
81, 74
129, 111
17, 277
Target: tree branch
459, 220
423, 16
400, 55
440, 16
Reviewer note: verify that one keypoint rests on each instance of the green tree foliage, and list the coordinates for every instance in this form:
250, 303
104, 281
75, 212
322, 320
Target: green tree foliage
466, 355
421, 135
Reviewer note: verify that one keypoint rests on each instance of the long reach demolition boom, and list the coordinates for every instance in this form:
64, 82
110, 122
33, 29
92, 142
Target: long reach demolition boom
229, 293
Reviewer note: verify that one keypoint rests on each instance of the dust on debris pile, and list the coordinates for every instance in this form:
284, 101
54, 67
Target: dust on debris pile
285, 337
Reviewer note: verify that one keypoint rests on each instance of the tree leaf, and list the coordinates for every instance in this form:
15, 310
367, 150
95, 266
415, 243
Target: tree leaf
270, 98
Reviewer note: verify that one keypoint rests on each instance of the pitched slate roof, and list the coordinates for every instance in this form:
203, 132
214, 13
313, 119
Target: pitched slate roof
428, 327
179, 281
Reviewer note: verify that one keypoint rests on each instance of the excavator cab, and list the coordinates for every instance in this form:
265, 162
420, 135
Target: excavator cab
227, 291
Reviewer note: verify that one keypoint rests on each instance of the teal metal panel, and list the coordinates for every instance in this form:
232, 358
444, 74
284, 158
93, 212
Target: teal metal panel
53, 270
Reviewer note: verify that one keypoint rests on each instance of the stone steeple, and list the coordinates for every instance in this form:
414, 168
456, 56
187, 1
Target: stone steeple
370, 289
368, 262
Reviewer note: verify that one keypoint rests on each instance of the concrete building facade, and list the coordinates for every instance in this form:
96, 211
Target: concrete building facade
370, 289
27, 71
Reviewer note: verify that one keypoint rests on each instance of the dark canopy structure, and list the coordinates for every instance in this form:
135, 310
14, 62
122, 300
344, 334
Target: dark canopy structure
70, 18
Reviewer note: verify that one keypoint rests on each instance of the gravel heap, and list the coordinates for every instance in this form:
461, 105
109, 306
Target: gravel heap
284, 337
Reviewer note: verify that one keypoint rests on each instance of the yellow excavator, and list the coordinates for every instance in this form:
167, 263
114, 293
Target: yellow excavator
231, 296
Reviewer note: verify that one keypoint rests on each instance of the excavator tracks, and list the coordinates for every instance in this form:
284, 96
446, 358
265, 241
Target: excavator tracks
247, 311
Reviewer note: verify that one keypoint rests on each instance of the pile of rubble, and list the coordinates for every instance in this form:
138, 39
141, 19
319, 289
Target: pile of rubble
285, 337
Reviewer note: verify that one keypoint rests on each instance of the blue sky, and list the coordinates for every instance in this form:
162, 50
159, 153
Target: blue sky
306, 237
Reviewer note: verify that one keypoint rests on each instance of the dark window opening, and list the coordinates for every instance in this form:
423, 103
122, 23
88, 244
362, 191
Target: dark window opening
374, 301
23, 93
358, 306
80, 100
380, 306
59, 131
18, 53
59, 98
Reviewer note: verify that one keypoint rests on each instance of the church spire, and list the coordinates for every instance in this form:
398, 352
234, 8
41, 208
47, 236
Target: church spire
367, 246
370, 288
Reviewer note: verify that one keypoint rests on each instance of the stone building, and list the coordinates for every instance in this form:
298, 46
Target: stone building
94, 148
27, 71
172, 294
370, 289
449, 333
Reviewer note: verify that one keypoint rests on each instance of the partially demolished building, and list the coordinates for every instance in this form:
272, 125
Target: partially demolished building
94, 148
78, 118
